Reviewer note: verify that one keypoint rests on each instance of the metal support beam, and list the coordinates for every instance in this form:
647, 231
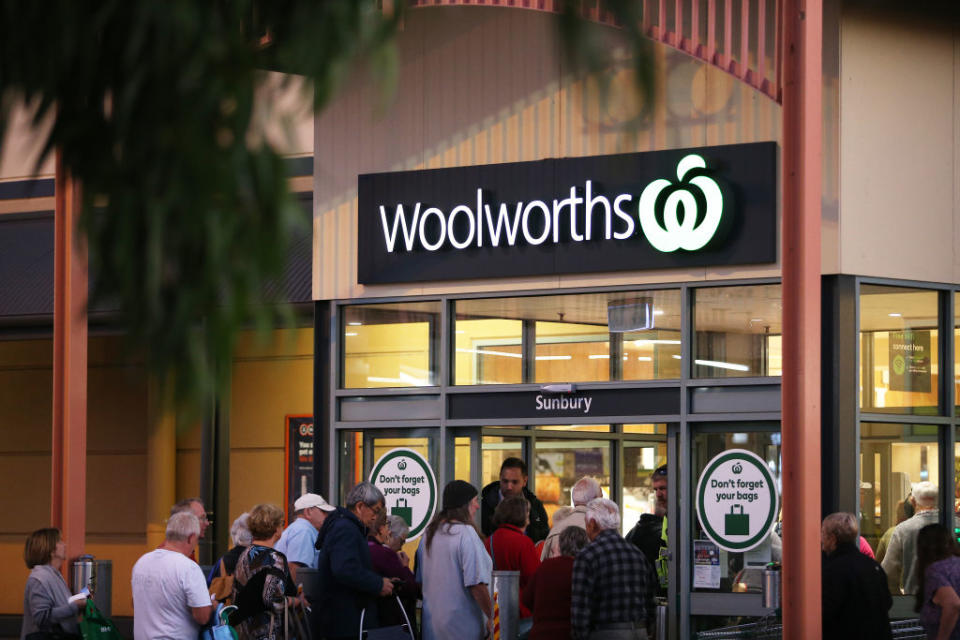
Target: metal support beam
68, 500
802, 154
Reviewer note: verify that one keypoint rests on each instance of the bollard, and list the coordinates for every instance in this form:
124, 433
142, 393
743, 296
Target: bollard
506, 604
102, 588
661, 629
83, 575
770, 588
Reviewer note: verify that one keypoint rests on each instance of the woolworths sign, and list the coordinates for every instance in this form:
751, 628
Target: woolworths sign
693, 207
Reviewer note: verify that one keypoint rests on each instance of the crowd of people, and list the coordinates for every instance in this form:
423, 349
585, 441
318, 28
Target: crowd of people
579, 579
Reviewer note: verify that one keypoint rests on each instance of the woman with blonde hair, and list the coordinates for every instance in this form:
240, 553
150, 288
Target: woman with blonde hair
47, 611
262, 584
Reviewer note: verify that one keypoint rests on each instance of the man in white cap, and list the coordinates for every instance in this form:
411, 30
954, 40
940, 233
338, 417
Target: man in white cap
298, 542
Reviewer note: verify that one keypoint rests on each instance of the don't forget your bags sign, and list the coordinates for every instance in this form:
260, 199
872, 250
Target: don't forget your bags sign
662, 209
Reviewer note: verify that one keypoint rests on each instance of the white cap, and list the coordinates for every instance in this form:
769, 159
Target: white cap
308, 500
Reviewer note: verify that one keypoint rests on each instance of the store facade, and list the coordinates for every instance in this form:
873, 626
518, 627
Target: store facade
594, 356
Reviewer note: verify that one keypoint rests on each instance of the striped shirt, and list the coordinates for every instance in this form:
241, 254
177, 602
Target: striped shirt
612, 583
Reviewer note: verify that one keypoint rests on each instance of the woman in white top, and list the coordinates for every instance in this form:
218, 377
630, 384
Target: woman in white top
455, 570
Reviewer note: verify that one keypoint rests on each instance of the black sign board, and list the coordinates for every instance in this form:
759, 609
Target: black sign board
597, 403
910, 361
662, 209
299, 460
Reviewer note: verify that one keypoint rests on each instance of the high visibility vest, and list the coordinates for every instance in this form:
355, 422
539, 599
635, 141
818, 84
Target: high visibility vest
661, 562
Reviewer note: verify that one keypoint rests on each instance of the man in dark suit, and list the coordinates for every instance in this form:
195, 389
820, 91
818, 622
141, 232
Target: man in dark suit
855, 594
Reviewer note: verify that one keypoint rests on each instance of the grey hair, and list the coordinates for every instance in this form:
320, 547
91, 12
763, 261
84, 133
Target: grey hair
366, 493
926, 494
604, 513
184, 505
843, 526
572, 539
586, 489
398, 528
239, 532
181, 526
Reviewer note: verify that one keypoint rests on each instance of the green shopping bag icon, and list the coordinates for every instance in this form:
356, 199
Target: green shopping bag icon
401, 509
736, 523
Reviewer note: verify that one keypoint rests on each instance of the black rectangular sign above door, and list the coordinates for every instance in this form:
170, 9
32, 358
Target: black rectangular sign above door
596, 403
710, 206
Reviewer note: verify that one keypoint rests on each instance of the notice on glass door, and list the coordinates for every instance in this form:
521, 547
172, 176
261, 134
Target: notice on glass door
706, 565
910, 361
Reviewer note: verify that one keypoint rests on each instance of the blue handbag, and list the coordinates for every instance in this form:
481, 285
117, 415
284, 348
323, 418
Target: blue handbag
220, 630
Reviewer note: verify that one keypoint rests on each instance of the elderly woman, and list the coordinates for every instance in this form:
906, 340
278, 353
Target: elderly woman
46, 609
455, 570
385, 543
241, 537
547, 593
262, 584
512, 550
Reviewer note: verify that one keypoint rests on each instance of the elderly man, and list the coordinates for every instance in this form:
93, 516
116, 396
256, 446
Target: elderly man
194, 506
513, 482
299, 540
613, 584
170, 598
855, 594
349, 585
900, 560
585, 490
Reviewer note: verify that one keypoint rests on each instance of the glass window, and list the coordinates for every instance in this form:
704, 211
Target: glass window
390, 345
495, 450
956, 350
360, 450
645, 428
640, 458
899, 366
738, 331
739, 572
894, 458
575, 338
561, 462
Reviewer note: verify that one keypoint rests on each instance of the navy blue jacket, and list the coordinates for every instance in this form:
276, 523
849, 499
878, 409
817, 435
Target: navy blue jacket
348, 583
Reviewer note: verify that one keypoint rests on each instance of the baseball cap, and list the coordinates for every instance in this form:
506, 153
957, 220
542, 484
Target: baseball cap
308, 500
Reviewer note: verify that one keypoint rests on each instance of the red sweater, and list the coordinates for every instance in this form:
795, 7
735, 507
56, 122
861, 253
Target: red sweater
515, 552
548, 594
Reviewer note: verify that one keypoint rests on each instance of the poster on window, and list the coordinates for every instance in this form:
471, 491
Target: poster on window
910, 364
299, 460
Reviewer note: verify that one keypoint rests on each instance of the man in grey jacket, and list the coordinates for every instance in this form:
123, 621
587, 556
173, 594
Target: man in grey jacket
900, 561
585, 490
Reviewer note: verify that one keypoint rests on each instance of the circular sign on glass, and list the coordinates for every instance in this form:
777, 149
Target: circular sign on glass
737, 500
409, 488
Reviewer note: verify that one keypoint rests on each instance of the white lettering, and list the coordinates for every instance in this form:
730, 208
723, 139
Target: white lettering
590, 203
536, 204
473, 226
563, 403
408, 233
433, 211
503, 221
623, 215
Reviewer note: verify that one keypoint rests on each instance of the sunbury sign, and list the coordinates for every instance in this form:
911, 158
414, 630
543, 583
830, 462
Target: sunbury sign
691, 207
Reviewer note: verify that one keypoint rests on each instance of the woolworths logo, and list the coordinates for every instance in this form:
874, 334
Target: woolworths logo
669, 216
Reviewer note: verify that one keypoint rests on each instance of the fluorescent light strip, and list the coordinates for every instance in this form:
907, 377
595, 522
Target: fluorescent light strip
350, 334
355, 324
554, 357
644, 358
598, 356
722, 365
640, 343
488, 352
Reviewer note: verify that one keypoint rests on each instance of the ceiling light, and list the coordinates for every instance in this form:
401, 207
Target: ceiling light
355, 324
598, 356
488, 352
722, 365
554, 357
640, 343
645, 359
350, 334
895, 315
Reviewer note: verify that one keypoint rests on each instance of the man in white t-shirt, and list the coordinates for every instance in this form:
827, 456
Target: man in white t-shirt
170, 599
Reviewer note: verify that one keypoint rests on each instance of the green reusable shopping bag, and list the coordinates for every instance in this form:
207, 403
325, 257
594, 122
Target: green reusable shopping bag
401, 509
96, 626
737, 523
